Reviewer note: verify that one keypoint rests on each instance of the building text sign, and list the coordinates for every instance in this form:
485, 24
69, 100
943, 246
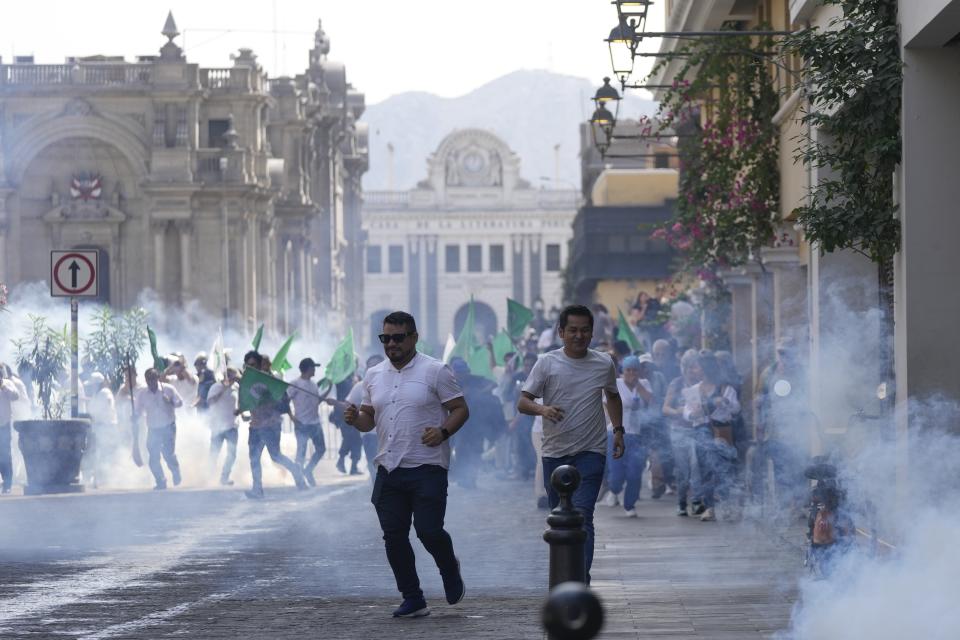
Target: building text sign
74, 274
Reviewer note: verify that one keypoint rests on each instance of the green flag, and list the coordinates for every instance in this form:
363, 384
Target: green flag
479, 362
257, 338
257, 388
158, 362
502, 345
280, 362
424, 348
343, 362
518, 318
625, 333
466, 339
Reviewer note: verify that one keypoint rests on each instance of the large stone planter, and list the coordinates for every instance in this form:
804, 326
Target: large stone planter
52, 451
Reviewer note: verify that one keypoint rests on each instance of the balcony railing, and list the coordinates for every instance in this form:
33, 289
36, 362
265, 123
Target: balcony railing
242, 79
99, 75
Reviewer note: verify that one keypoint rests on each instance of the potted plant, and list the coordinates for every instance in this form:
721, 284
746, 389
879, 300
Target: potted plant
52, 447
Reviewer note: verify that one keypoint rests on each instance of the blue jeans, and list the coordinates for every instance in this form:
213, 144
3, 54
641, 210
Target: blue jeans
684, 452
628, 468
305, 434
419, 495
590, 465
269, 438
230, 437
370, 445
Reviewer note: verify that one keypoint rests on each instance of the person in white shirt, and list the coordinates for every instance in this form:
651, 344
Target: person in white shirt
416, 405
710, 406
221, 415
158, 403
104, 437
626, 473
369, 439
178, 375
8, 395
305, 400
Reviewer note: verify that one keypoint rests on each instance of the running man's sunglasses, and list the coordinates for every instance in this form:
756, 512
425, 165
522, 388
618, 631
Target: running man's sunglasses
385, 338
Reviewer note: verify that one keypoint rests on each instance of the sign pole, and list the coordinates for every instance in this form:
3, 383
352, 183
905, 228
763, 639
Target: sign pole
74, 359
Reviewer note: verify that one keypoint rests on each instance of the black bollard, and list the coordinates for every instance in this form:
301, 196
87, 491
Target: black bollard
572, 612
565, 533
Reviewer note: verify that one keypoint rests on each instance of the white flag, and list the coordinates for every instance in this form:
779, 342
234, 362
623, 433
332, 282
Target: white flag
218, 360
449, 347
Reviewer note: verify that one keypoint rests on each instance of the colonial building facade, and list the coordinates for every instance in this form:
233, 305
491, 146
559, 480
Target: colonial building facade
473, 227
219, 186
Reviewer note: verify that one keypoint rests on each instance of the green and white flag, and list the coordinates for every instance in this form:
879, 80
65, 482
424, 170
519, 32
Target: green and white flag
518, 318
257, 338
466, 341
625, 333
280, 362
158, 362
217, 361
479, 362
257, 389
343, 362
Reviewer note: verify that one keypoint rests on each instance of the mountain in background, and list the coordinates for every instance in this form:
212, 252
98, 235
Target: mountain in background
532, 111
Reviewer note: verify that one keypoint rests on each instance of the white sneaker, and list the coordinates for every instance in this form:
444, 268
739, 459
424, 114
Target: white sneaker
611, 499
670, 491
630, 513
708, 516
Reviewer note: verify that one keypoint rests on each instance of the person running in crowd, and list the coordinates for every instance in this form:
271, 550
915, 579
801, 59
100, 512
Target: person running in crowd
486, 421
665, 357
158, 403
8, 395
710, 406
305, 397
656, 432
526, 460
368, 439
681, 433
266, 421
104, 436
416, 406
222, 417
571, 382
205, 379
182, 379
783, 421
626, 473
351, 442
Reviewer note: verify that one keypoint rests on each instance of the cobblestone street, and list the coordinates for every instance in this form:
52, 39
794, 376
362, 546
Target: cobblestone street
211, 564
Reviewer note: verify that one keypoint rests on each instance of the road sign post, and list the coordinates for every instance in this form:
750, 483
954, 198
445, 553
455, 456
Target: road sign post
74, 274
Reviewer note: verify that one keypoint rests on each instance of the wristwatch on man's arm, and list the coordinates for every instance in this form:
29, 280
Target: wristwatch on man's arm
619, 430
446, 434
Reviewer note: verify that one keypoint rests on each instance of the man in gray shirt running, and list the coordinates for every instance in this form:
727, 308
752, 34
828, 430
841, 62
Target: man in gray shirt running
572, 382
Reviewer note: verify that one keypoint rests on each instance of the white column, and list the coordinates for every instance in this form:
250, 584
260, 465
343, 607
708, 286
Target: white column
185, 230
159, 229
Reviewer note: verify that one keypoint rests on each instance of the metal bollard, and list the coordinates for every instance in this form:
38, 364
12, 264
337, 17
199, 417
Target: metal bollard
565, 533
572, 612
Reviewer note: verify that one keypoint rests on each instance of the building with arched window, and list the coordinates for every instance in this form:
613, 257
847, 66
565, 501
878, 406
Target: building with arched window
216, 186
473, 227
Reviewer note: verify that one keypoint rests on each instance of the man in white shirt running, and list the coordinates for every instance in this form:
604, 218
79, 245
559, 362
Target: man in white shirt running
416, 405
8, 395
305, 398
222, 416
158, 402
571, 382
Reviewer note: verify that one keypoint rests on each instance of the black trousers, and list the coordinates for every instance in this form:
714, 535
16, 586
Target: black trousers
418, 494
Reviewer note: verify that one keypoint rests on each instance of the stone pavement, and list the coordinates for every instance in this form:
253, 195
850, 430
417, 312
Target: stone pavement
210, 564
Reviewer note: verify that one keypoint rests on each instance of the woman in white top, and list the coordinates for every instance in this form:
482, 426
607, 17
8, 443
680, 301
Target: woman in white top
710, 406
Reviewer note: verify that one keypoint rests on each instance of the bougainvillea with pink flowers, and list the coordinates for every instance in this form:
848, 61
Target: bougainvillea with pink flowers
721, 106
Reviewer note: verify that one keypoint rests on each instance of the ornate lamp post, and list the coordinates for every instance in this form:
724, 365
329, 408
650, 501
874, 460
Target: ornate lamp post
603, 120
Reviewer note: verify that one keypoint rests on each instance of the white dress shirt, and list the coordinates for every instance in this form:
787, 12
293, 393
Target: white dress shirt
405, 402
8, 395
101, 407
221, 406
158, 406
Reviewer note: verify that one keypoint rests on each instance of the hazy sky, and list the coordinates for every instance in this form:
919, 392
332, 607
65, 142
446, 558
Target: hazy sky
441, 46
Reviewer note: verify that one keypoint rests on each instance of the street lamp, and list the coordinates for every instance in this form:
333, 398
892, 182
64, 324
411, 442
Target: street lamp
622, 46
603, 120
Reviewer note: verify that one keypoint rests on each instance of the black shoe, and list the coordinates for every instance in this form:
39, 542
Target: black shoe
453, 586
160, 487
412, 608
308, 476
658, 492
682, 510
354, 471
254, 494
699, 508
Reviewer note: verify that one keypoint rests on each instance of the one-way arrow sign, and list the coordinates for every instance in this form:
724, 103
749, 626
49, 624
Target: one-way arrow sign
74, 274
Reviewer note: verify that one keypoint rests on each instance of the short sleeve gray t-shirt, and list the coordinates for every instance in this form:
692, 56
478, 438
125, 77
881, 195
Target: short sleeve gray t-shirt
575, 385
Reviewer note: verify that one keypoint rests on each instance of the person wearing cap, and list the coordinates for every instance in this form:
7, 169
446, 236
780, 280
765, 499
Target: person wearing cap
8, 395
782, 425
178, 375
305, 398
158, 402
626, 473
205, 380
104, 437
222, 404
